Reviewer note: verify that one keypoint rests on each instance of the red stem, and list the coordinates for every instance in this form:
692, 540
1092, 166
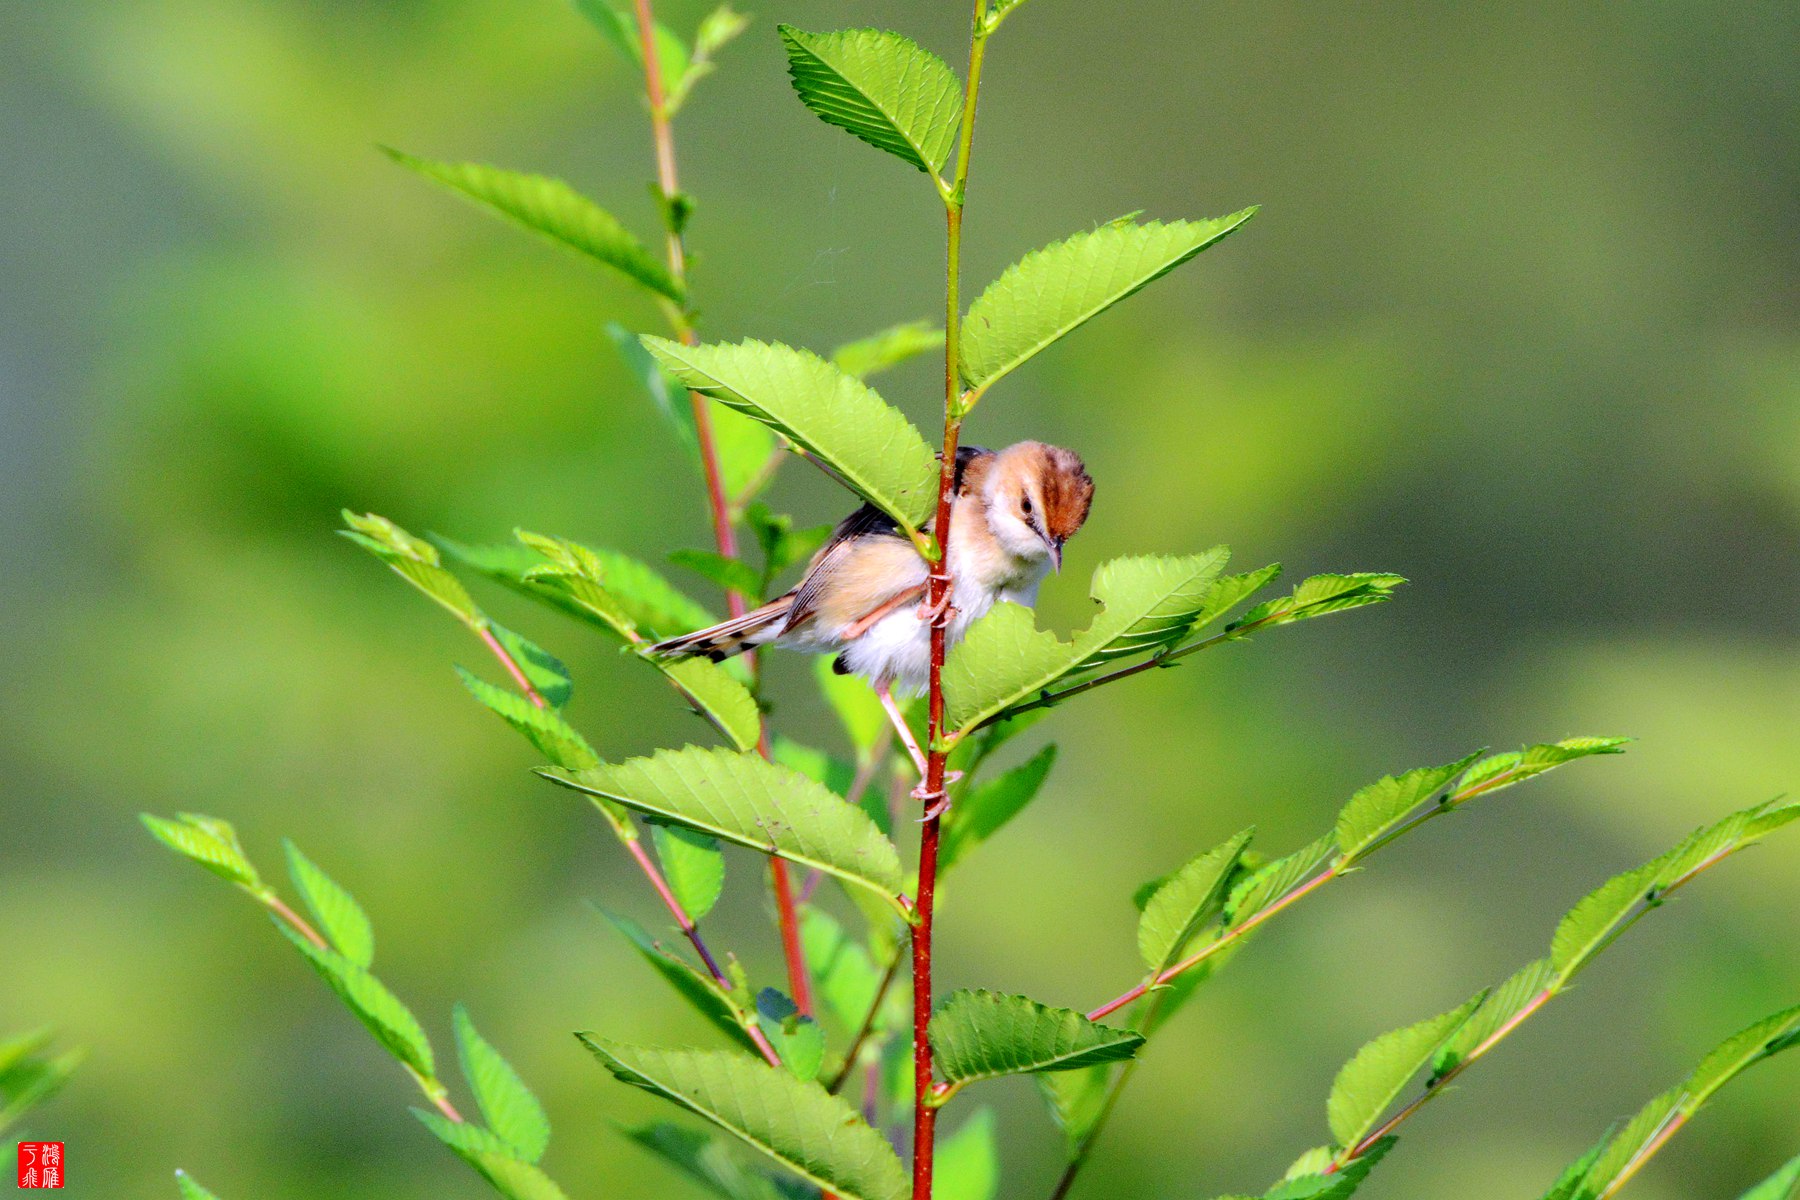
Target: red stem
718, 504
1214, 946
939, 583
512, 666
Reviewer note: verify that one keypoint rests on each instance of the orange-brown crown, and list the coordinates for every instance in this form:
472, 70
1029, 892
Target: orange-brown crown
1053, 480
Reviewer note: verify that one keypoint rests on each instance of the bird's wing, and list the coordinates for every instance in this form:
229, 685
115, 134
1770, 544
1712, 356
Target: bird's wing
865, 564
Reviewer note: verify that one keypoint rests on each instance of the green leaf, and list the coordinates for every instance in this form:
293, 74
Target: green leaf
615, 590
1149, 602
799, 1040
390, 1021
545, 671
839, 421
732, 574
888, 349
1376, 809
1519, 765
512, 1112
1504, 1005
1229, 591
619, 26
783, 545
857, 709
341, 919
813, 763
191, 1190
706, 1159
1741, 1051
544, 728
717, 29
968, 1161
415, 561
1372, 1080
984, 808
983, 1035
27, 1079
1052, 291
1706, 847
1592, 923
1630, 1142
21, 1048
881, 87
692, 864
1186, 901
843, 974
1270, 882
669, 398
1337, 1186
812, 1133
555, 210
1076, 1099
742, 799
492, 1158
1319, 595
626, 598
722, 700
208, 841
1782, 1185
700, 990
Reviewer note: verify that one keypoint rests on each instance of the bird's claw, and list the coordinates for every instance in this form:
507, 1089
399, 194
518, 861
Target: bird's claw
932, 613
938, 799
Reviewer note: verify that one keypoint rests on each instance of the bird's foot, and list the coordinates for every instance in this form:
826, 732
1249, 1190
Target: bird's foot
931, 613
939, 799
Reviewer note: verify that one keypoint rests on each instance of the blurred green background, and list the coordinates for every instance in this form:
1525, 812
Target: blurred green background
1518, 320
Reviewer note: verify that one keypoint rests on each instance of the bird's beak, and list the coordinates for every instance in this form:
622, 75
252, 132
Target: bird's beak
1056, 545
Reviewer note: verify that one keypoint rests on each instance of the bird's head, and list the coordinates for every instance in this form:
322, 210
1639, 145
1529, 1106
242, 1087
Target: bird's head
1037, 497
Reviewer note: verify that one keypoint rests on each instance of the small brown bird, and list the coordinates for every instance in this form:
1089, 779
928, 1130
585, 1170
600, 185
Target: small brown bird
863, 595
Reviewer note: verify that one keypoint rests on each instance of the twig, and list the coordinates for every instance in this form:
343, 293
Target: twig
931, 788
868, 1023
719, 505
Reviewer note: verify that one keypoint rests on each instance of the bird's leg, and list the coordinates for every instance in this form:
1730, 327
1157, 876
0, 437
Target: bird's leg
939, 800
884, 692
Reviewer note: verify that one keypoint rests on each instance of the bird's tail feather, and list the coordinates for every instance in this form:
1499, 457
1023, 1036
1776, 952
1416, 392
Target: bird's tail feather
720, 642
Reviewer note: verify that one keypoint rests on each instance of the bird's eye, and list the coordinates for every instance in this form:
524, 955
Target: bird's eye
1025, 505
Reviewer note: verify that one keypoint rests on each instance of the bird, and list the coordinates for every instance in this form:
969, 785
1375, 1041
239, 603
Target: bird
863, 595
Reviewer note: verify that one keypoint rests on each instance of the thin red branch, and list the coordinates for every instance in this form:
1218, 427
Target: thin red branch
295, 920
718, 503
1217, 944
512, 666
